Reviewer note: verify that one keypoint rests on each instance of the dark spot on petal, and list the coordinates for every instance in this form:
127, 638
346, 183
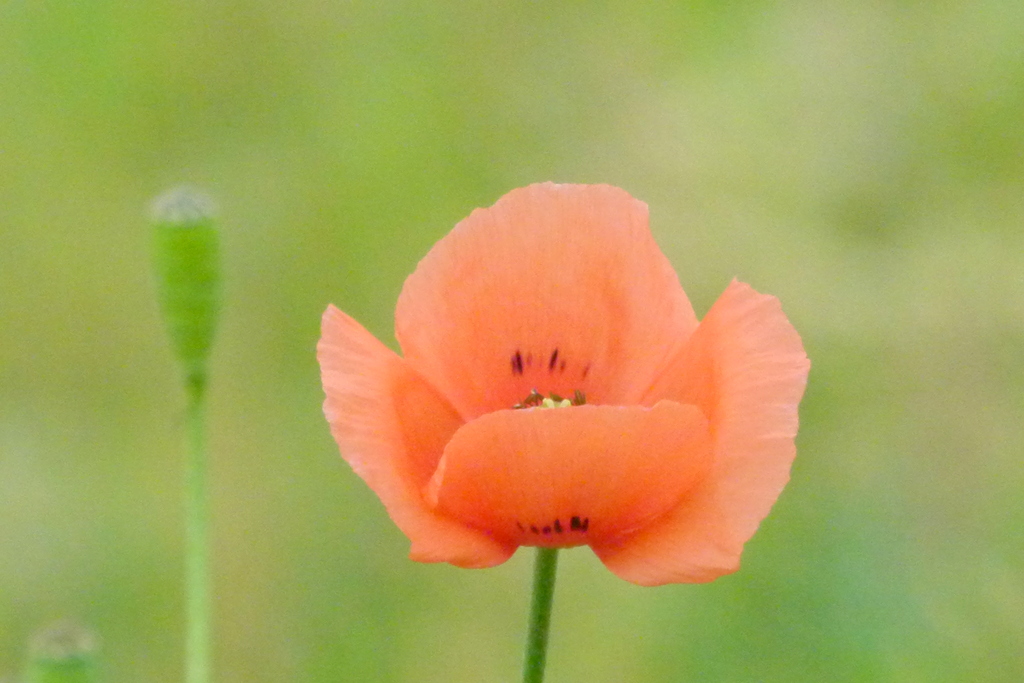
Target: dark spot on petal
547, 530
586, 371
520, 525
558, 526
517, 363
554, 359
586, 524
575, 524
534, 529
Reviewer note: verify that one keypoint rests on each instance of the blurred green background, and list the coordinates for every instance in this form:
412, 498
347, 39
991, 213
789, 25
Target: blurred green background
863, 161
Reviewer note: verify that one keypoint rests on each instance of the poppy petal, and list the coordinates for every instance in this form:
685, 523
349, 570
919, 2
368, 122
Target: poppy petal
391, 427
571, 476
745, 366
556, 288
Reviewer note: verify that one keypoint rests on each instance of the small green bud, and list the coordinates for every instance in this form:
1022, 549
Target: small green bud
187, 262
64, 652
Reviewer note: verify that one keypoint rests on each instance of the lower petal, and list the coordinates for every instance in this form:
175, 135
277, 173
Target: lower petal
571, 476
391, 427
745, 366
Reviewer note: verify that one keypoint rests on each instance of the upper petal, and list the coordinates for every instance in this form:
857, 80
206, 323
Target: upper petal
391, 427
555, 288
571, 476
747, 369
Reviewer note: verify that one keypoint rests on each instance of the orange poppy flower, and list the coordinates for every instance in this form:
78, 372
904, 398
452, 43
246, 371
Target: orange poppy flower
686, 436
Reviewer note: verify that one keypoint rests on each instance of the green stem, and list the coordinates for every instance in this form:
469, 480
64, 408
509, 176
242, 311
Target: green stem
540, 614
197, 551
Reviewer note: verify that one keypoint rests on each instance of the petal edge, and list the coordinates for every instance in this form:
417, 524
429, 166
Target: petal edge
746, 367
363, 382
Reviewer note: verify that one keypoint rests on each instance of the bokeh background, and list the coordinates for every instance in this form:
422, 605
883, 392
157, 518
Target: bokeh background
862, 160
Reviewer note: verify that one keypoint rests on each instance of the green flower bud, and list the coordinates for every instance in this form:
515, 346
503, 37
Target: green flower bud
62, 653
187, 265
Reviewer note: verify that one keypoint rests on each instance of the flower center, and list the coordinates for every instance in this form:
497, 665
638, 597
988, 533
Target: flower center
535, 399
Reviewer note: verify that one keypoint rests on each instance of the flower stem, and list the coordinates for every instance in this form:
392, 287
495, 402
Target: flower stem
197, 551
540, 614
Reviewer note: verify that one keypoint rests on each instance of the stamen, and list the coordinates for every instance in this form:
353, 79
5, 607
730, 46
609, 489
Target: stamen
551, 403
535, 398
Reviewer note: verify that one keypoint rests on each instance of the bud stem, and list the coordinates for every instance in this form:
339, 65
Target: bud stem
188, 285
197, 543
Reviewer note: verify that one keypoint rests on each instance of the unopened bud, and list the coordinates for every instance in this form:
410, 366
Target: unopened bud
187, 262
64, 652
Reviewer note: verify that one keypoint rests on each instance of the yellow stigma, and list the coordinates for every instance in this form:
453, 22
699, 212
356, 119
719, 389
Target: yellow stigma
551, 403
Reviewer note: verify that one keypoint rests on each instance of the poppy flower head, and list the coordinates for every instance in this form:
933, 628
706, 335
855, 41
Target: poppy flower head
556, 390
